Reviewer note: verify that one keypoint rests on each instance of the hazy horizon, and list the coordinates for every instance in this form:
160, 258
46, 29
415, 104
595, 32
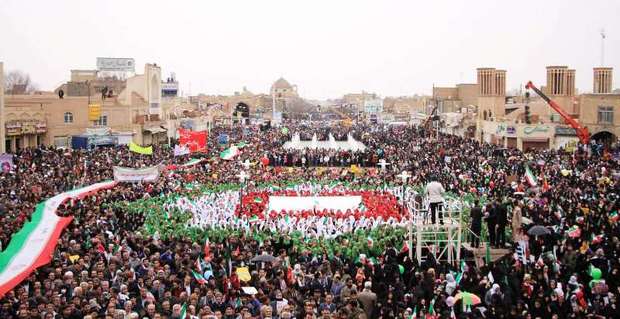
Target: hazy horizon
326, 48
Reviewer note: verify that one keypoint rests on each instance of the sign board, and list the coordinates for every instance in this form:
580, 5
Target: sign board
169, 88
98, 140
116, 64
530, 130
94, 112
373, 106
98, 131
503, 129
566, 131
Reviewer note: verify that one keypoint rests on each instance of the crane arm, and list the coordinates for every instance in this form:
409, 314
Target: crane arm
582, 132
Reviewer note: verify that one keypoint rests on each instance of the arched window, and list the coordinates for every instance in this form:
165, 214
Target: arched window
68, 117
484, 115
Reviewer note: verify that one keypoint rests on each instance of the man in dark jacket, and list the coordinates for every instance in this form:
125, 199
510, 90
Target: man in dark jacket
502, 221
491, 221
476, 224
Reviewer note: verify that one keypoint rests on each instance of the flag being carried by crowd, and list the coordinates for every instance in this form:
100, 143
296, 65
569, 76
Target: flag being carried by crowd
33, 246
531, 179
230, 153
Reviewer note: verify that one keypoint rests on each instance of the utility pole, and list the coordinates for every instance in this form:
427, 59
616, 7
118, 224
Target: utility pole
603, 47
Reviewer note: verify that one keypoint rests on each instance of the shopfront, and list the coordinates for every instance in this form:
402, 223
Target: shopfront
24, 134
535, 137
566, 139
521, 136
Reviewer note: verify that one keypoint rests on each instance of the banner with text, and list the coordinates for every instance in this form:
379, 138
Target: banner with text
126, 174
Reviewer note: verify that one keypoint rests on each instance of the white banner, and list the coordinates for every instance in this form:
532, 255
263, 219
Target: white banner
125, 174
98, 131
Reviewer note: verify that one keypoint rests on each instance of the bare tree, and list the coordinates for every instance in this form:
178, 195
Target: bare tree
18, 82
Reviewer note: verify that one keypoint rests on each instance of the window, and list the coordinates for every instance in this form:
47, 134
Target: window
102, 121
605, 114
68, 117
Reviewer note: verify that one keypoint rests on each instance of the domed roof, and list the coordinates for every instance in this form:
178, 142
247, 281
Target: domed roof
281, 83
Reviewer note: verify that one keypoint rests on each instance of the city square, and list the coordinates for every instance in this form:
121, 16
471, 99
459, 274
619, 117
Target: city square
135, 184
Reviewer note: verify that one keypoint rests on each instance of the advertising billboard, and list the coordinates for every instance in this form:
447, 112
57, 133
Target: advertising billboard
116, 64
94, 112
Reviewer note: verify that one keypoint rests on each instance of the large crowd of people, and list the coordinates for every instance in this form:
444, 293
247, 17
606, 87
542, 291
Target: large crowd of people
123, 272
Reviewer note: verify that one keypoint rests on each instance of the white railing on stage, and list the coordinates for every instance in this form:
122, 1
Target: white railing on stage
442, 240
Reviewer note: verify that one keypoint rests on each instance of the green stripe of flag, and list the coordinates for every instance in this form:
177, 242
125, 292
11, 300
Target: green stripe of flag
19, 239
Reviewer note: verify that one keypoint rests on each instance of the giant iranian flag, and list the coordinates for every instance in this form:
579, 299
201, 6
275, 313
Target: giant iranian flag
315, 210
34, 244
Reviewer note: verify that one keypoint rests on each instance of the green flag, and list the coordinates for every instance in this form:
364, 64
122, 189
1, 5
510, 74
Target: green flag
183, 311
431, 307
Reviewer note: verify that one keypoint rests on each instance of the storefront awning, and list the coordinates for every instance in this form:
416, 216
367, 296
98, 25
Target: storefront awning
155, 130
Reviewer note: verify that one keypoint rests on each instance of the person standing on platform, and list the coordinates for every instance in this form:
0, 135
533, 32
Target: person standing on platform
476, 224
502, 222
491, 217
434, 192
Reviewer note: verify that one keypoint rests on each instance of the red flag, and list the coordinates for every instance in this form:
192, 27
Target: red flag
194, 141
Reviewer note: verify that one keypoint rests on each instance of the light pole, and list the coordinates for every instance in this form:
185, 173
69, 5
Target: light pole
405, 176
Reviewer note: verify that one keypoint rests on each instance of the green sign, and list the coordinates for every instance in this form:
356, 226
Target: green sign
533, 129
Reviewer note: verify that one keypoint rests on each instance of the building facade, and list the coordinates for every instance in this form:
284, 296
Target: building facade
594, 111
2, 121
48, 118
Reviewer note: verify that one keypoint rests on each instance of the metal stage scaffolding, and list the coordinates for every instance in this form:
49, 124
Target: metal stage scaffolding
443, 241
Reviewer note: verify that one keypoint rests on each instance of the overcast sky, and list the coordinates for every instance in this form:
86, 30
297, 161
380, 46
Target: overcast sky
327, 48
